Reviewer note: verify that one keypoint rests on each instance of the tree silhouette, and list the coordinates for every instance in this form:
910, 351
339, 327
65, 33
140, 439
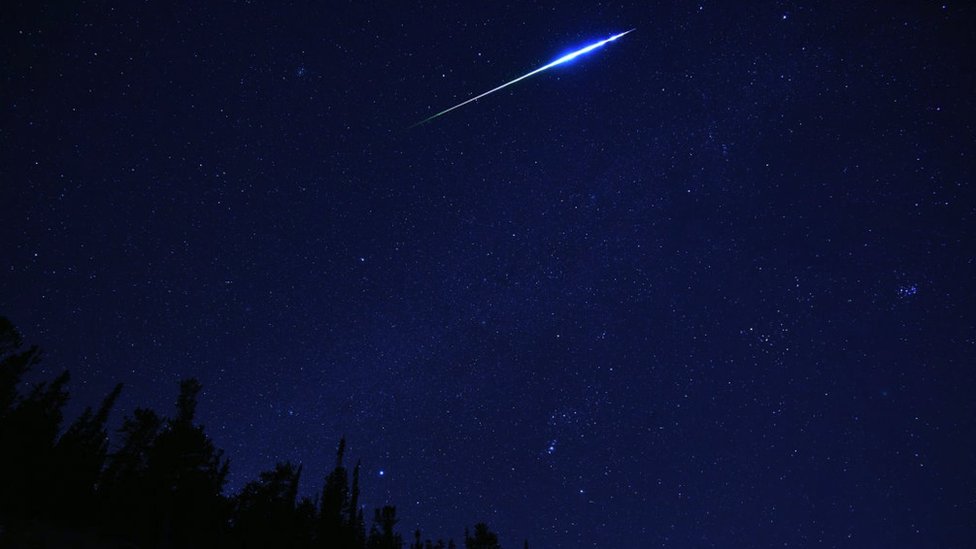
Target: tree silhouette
483, 538
128, 509
161, 485
334, 518
265, 514
13, 364
186, 475
78, 459
27, 436
356, 524
382, 535
306, 519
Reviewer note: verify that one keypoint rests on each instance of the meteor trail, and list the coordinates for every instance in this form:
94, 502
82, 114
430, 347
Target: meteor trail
561, 60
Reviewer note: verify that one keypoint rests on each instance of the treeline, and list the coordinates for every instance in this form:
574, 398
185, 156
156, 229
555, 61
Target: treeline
161, 483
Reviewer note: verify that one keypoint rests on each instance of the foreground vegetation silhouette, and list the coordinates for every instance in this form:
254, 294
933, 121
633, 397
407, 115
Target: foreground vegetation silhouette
161, 483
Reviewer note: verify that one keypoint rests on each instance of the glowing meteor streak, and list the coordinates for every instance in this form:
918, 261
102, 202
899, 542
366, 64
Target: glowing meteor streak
559, 61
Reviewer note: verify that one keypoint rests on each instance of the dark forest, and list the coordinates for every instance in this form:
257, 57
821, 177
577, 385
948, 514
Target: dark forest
159, 480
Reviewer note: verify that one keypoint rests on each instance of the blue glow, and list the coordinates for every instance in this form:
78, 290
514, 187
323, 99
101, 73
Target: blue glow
558, 61
573, 55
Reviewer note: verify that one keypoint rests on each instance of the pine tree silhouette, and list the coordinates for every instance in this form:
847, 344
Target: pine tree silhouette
265, 512
13, 364
334, 511
162, 485
127, 504
186, 475
78, 459
306, 520
356, 525
13, 458
382, 534
27, 436
483, 538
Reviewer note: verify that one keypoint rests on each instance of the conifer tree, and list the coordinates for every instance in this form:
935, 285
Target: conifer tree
483, 538
356, 525
127, 504
334, 510
13, 364
186, 474
27, 436
265, 513
306, 521
79, 457
162, 485
383, 534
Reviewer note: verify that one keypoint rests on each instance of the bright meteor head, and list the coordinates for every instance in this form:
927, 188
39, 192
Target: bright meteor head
561, 60
587, 49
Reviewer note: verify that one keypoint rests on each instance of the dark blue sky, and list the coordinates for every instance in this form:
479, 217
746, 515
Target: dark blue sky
709, 285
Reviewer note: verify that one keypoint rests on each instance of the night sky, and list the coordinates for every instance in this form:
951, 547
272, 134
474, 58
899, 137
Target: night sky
708, 285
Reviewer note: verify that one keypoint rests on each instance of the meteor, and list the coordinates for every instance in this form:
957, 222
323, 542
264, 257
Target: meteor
561, 60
